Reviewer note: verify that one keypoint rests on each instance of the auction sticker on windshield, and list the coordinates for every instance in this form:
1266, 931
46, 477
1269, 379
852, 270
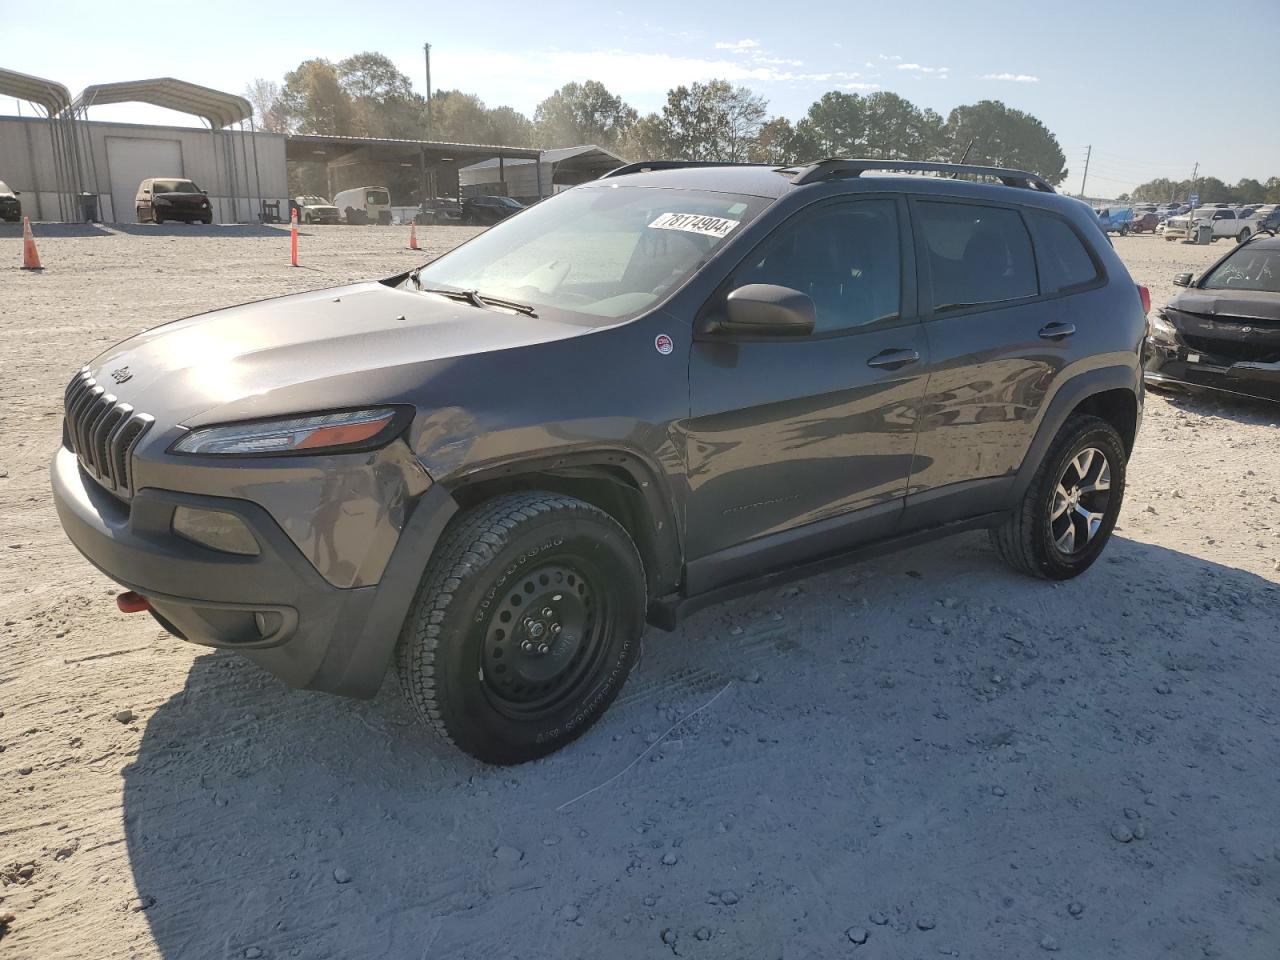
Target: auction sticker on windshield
717, 227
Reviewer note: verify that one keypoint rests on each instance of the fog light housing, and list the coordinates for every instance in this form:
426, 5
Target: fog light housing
215, 529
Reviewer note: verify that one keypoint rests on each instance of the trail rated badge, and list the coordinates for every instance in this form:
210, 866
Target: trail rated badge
662, 343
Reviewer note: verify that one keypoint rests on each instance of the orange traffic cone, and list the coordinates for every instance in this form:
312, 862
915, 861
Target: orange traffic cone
293, 237
413, 235
30, 257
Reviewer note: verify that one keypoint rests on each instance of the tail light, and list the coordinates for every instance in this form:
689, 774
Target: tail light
1145, 294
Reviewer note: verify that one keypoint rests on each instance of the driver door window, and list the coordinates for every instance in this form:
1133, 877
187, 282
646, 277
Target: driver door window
846, 257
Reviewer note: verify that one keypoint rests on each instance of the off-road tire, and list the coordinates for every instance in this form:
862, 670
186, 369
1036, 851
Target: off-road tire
1024, 540
476, 572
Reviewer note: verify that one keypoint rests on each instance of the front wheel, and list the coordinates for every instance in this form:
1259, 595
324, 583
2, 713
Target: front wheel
1070, 508
526, 623
1244, 235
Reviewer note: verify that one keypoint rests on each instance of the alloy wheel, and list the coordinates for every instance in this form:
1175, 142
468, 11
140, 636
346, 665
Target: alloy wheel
1079, 501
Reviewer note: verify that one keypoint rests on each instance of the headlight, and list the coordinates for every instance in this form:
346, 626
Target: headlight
1162, 329
328, 432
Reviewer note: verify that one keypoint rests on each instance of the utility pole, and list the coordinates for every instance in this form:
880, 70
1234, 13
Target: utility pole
426, 53
428, 185
1194, 171
1084, 179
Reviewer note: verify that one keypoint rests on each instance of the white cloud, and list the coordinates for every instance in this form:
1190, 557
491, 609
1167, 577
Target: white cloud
737, 46
919, 68
777, 61
522, 80
859, 86
893, 57
1011, 77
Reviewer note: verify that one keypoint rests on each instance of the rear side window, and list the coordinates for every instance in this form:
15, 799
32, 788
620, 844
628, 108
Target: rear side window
845, 256
1060, 253
977, 254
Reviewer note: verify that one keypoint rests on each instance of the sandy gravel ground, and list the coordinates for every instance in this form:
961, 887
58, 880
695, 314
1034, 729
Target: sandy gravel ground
924, 755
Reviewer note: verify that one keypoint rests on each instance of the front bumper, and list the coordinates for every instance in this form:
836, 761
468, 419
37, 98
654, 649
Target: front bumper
1176, 365
275, 608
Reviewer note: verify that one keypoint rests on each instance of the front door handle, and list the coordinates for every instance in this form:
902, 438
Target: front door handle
893, 359
1056, 331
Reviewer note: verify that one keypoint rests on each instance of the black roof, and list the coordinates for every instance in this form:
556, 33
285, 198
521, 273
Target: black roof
774, 182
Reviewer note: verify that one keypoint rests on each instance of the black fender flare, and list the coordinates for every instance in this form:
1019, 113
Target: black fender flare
647, 483
1069, 396
356, 663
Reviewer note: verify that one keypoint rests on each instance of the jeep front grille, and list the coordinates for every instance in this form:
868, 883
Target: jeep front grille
103, 433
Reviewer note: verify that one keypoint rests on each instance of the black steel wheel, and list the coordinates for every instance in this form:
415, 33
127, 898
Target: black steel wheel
526, 624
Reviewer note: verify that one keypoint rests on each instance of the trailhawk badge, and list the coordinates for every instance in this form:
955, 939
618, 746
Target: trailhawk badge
662, 343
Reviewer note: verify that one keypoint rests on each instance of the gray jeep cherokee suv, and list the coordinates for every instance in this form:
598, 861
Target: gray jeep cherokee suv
644, 394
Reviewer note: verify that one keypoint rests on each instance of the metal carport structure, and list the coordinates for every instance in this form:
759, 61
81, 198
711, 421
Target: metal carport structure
225, 114
54, 101
431, 157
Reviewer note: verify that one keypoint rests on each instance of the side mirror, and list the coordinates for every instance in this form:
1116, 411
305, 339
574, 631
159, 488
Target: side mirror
766, 310
205, 192
1182, 280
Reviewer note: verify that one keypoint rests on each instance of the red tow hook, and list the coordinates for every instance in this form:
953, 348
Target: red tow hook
130, 602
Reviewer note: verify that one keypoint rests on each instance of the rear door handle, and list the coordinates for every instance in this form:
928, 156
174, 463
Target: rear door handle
893, 359
1056, 331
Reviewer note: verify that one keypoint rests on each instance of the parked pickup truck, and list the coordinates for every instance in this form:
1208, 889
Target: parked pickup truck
1225, 221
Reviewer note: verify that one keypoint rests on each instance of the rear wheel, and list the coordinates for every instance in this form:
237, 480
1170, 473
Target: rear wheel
1244, 235
1069, 510
526, 623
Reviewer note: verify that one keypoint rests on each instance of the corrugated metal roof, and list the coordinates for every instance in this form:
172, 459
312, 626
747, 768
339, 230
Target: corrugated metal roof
54, 97
604, 158
393, 142
217, 108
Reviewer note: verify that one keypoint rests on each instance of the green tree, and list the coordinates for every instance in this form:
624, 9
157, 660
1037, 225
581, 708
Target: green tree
712, 121
1248, 190
1005, 137
646, 139
896, 129
775, 143
313, 100
510, 127
582, 113
382, 98
268, 113
834, 126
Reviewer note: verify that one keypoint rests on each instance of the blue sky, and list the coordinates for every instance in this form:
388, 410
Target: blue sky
1099, 73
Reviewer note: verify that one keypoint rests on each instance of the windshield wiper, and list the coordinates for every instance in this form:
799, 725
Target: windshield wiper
476, 299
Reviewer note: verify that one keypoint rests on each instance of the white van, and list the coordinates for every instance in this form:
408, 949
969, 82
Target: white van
364, 205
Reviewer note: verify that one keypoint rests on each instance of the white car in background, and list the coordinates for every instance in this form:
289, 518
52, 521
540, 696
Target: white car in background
316, 210
1225, 221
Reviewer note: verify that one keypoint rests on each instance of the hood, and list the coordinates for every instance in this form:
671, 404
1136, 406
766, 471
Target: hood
343, 346
319, 206
1243, 304
182, 198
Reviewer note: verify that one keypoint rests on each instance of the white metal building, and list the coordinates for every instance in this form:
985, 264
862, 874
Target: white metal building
561, 169
237, 166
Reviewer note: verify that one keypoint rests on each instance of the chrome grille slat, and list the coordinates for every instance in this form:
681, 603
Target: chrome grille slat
103, 433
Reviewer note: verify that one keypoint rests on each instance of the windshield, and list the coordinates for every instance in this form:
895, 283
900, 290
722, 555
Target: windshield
1249, 268
606, 251
509, 202
174, 186
376, 196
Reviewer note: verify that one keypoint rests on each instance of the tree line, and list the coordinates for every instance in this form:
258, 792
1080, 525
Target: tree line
367, 95
1209, 189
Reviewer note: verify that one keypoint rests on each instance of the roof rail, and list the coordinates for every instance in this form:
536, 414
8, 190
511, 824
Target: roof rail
644, 166
834, 167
